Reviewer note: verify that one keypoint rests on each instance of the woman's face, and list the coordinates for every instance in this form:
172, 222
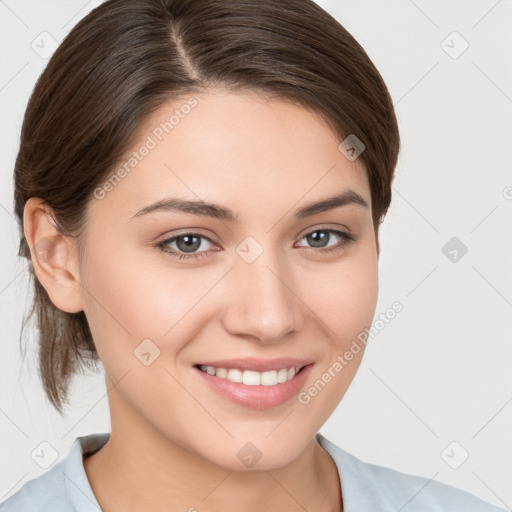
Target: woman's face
264, 286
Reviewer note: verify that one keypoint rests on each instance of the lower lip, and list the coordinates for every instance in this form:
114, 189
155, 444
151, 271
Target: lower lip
257, 397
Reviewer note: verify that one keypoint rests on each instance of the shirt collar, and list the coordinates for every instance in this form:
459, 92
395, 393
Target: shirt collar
355, 481
75, 479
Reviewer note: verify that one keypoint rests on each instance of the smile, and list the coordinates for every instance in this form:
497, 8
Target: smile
252, 378
255, 384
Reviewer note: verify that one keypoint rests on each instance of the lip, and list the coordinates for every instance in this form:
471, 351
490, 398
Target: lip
258, 365
256, 397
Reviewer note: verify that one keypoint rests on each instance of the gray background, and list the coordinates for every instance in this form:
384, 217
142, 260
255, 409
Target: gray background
435, 383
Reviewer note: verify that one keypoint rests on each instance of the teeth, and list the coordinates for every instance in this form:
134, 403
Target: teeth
282, 375
234, 375
252, 378
221, 372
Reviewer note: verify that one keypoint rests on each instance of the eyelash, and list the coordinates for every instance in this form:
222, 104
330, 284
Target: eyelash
347, 239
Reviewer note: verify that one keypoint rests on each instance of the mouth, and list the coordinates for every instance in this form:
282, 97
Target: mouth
252, 377
253, 383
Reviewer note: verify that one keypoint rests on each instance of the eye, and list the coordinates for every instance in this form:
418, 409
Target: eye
186, 245
320, 238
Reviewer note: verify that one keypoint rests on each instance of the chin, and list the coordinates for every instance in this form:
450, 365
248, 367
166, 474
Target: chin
256, 455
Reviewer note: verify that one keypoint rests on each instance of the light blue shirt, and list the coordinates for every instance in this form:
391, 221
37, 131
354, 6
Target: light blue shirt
365, 487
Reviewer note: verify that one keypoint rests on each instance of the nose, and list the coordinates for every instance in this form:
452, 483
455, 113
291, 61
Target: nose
262, 302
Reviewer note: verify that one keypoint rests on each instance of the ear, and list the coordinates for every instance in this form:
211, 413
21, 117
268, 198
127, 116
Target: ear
54, 257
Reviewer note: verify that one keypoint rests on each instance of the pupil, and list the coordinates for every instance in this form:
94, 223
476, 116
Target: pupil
317, 238
190, 244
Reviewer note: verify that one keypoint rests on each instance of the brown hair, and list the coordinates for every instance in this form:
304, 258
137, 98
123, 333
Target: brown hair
125, 59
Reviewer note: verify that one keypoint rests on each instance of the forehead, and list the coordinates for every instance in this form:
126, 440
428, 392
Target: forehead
242, 149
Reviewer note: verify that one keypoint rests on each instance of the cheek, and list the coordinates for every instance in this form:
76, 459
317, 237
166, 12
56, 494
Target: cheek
345, 301
130, 299
134, 314
345, 298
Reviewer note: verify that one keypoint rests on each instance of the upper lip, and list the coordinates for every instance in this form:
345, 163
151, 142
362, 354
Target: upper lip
258, 365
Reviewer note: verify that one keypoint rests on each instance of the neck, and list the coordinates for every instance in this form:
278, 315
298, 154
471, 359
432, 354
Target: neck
138, 466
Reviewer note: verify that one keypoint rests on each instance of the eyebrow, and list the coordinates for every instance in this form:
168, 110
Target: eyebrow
215, 211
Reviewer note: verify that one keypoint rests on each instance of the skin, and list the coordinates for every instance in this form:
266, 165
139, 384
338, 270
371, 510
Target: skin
174, 442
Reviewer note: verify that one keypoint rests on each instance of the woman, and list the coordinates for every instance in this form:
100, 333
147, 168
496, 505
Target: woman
200, 186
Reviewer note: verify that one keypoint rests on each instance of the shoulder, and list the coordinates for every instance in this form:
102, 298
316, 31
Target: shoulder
62, 488
46, 492
368, 486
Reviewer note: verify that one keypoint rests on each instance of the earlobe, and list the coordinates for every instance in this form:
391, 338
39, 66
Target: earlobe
53, 257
